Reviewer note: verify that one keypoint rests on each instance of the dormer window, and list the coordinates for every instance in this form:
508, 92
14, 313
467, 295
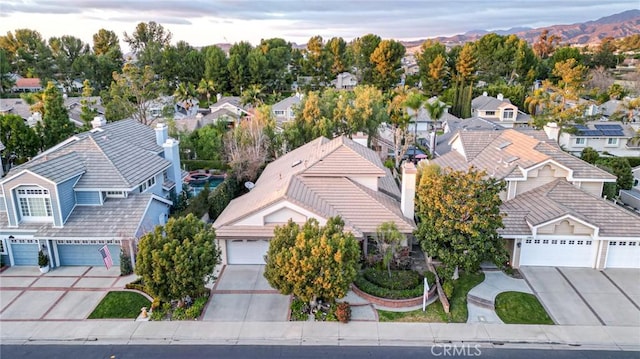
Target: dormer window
507, 113
147, 184
35, 204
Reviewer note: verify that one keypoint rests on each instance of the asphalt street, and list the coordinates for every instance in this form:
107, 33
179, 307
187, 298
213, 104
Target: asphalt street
308, 352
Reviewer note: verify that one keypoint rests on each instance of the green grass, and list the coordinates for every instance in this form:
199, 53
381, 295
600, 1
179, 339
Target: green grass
435, 312
521, 308
120, 305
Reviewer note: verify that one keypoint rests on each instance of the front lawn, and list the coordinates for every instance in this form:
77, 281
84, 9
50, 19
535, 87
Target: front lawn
435, 312
521, 308
120, 305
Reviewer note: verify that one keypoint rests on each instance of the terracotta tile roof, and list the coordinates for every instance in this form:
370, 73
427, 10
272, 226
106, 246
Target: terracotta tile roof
507, 153
560, 198
28, 83
316, 177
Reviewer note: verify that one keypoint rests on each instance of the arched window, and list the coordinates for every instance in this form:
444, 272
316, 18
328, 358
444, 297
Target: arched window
35, 204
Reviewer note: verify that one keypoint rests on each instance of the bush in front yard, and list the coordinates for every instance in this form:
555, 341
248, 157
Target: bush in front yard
399, 280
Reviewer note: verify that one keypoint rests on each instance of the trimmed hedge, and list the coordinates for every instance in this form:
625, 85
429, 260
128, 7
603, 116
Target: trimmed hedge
372, 288
192, 165
220, 197
399, 280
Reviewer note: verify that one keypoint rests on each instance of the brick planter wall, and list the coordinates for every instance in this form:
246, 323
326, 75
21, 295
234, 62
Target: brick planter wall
393, 303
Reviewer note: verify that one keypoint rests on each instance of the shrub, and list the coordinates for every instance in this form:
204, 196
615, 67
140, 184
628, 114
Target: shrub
343, 312
299, 309
399, 280
43, 259
125, 263
192, 165
220, 197
368, 287
137, 285
155, 304
194, 311
448, 288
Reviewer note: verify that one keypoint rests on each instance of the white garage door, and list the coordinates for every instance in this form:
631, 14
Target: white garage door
557, 253
623, 254
246, 251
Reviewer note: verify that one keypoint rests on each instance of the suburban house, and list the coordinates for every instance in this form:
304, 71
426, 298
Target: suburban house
17, 106
322, 179
107, 186
228, 108
345, 81
439, 144
425, 124
630, 197
284, 111
74, 107
554, 213
27, 85
499, 110
603, 136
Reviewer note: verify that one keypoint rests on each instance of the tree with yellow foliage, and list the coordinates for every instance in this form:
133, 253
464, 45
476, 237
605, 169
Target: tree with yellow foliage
459, 217
312, 262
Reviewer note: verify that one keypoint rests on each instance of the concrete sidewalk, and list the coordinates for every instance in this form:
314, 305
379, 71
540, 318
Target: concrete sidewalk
320, 333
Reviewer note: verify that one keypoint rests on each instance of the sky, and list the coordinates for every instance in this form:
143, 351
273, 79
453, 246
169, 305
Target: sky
206, 22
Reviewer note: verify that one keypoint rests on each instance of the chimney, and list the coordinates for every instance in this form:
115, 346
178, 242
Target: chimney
98, 121
172, 154
500, 97
218, 96
552, 130
484, 93
360, 138
162, 133
408, 195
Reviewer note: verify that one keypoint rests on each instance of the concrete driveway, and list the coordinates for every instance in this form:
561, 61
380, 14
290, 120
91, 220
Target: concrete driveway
67, 293
584, 296
241, 293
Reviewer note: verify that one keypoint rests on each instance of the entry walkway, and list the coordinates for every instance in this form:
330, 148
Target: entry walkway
481, 298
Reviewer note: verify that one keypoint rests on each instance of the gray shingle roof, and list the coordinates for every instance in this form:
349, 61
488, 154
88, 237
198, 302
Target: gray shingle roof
286, 103
559, 198
60, 168
119, 155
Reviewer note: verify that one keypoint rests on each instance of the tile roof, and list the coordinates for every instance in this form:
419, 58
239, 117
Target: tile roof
120, 154
500, 153
286, 103
116, 218
559, 198
489, 103
28, 83
314, 177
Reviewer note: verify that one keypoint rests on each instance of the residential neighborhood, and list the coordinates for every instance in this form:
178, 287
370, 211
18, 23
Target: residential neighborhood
486, 191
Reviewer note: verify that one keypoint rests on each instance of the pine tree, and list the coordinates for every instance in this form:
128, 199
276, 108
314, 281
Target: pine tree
55, 126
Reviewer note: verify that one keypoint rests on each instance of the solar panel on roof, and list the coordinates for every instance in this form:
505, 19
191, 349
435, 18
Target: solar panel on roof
609, 127
581, 127
590, 133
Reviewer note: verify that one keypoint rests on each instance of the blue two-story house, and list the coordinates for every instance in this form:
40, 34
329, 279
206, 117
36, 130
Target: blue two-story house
109, 185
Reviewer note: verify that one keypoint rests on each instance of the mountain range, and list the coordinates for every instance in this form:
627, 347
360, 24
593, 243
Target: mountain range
591, 32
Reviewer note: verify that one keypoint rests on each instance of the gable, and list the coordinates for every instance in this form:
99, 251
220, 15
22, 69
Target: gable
549, 170
283, 215
344, 162
279, 212
566, 226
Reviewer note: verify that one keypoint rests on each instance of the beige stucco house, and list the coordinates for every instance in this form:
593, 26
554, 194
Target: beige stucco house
554, 213
322, 179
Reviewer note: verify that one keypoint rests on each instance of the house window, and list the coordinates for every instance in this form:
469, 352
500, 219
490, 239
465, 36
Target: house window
279, 113
562, 241
581, 141
537, 241
528, 241
632, 243
589, 243
3, 248
35, 204
623, 243
115, 194
613, 243
572, 242
489, 113
507, 113
147, 184
580, 243
612, 141
545, 241
554, 241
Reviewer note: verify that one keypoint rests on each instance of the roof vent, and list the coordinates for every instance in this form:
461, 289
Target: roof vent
512, 159
249, 185
503, 145
296, 163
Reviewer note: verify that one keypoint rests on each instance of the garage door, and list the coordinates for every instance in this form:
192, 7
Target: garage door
246, 251
558, 253
25, 252
73, 254
623, 254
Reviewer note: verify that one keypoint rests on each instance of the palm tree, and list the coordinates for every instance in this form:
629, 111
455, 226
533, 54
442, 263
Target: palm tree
414, 101
253, 95
435, 109
206, 87
630, 106
185, 93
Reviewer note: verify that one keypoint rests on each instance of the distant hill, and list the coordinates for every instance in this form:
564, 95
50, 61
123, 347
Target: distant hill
618, 25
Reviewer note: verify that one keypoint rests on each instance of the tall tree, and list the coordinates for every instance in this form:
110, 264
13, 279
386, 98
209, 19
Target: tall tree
278, 55
28, 53
388, 240
216, 67
21, 141
312, 262
106, 42
146, 34
88, 110
316, 63
336, 49
66, 50
55, 125
386, 63
6, 81
465, 69
206, 87
131, 93
399, 121
414, 102
546, 44
361, 49
459, 217
177, 259
238, 66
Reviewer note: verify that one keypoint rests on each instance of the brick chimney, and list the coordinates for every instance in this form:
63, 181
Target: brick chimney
407, 198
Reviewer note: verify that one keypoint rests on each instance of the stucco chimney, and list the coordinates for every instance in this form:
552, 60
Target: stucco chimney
360, 138
552, 130
162, 133
408, 195
500, 97
172, 154
98, 121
